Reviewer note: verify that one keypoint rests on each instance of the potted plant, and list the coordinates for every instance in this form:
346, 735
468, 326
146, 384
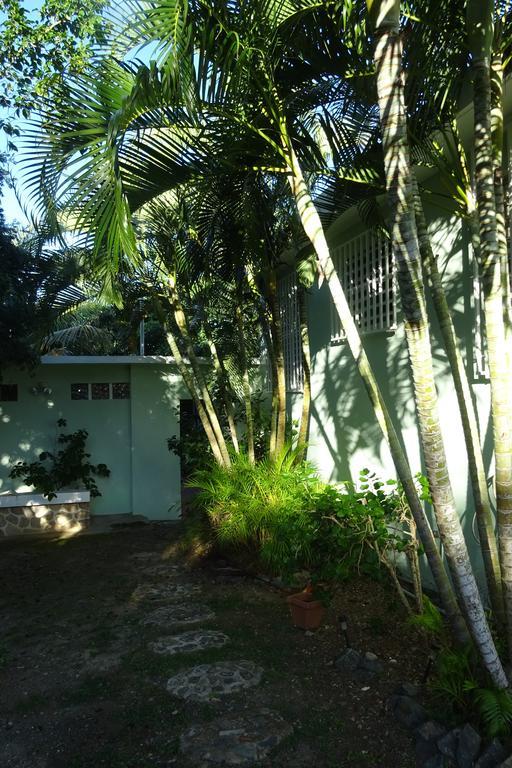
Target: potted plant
307, 612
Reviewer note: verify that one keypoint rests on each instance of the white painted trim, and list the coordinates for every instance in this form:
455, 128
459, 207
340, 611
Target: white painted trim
106, 360
37, 500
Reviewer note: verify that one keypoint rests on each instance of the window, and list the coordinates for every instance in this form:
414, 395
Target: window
366, 271
100, 391
80, 391
290, 324
121, 391
8, 393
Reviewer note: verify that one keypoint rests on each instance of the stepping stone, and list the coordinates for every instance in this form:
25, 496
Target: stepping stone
167, 592
144, 557
158, 571
188, 642
207, 681
185, 613
240, 740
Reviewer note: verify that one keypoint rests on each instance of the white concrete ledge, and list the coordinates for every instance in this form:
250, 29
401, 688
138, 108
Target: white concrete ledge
38, 500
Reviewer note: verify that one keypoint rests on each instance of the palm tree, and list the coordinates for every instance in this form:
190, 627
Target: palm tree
151, 129
388, 64
480, 23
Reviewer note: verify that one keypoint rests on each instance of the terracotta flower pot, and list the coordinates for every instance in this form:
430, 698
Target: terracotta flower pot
307, 613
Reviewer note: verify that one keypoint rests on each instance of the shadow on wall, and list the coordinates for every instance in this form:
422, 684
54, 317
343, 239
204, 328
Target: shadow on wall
346, 436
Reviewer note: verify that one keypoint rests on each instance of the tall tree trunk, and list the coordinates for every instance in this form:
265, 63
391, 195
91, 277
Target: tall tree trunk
246, 384
224, 386
313, 228
277, 339
265, 327
303, 436
182, 325
480, 29
189, 383
390, 93
484, 514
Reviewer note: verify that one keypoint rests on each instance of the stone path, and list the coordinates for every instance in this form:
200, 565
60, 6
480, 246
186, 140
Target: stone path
188, 642
226, 740
206, 681
186, 613
236, 740
165, 592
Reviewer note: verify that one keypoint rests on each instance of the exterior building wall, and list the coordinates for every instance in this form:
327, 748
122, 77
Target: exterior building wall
345, 436
128, 435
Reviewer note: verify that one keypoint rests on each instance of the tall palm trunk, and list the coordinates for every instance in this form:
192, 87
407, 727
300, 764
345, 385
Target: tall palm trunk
313, 228
484, 515
189, 383
277, 340
390, 93
224, 386
502, 218
303, 436
182, 325
480, 29
265, 328
246, 384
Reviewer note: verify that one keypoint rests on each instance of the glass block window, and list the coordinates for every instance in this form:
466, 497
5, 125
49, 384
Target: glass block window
121, 391
365, 267
100, 391
290, 325
80, 391
8, 393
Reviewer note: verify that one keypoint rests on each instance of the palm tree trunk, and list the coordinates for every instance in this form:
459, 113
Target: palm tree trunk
182, 325
303, 436
491, 274
189, 383
313, 228
264, 323
484, 514
277, 340
224, 387
390, 93
246, 384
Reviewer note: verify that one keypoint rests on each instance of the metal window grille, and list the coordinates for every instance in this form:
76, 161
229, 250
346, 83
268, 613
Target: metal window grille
119, 390
365, 267
290, 324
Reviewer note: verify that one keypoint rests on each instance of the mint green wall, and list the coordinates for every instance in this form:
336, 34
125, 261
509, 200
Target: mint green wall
344, 434
156, 489
127, 435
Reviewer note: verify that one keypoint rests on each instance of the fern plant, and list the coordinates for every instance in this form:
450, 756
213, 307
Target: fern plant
494, 708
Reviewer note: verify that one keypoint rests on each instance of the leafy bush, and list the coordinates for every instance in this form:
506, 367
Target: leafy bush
70, 466
282, 511
459, 687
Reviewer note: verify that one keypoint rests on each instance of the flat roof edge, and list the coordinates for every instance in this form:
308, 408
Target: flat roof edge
106, 360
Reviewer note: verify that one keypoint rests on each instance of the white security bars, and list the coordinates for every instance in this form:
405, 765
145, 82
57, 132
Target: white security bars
366, 269
291, 333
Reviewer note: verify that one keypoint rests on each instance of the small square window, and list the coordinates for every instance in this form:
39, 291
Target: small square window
121, 391
100, 391
79, 391
8, 393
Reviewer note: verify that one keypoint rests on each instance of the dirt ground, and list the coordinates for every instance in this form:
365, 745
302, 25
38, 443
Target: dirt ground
79, 687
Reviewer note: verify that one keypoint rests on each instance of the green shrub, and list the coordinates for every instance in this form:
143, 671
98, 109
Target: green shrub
282, 511
67, 467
